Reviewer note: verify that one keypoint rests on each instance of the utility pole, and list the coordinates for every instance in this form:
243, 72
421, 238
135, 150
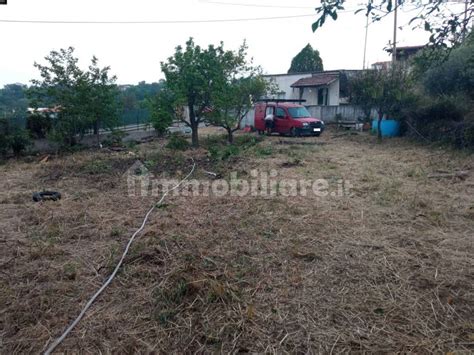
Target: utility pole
394, 49
464, 30
365, 43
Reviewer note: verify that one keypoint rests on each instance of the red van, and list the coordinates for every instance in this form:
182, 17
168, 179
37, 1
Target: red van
290, 117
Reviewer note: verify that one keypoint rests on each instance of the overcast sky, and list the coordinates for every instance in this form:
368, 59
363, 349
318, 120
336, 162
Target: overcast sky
134, 51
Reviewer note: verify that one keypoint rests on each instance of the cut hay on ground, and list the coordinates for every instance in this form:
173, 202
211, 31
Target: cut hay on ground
387, 269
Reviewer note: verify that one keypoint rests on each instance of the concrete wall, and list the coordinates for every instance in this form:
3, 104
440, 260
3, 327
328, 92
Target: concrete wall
328, 113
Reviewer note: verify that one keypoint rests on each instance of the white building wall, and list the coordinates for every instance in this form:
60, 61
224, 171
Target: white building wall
310, 94
333, 94
284, 84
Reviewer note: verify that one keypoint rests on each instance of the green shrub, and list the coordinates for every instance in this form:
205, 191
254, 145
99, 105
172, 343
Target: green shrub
177, 142
114, 139
223, 152
4, 137
12, 139
20, 141
38, 125
247, 140
96, 167
161, 124
263, 151
444, 120
219, 149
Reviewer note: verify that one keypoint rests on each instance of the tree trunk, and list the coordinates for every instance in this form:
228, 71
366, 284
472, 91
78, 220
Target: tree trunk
96, 127
194, 136
194, 126
230, 136
379, 128
96, 131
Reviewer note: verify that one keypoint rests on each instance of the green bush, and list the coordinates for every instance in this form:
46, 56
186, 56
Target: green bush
4, 137
20, 141
223, 152
444, 120
38, 125
247, 140
177, 142
114, 139
161, 125
219, 149
12, 139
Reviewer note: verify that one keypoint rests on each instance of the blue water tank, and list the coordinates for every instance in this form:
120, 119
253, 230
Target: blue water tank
389, 128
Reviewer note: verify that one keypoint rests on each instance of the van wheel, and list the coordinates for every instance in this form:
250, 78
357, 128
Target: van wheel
293, 132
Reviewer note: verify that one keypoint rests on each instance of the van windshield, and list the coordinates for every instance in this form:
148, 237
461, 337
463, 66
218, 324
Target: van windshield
299, 112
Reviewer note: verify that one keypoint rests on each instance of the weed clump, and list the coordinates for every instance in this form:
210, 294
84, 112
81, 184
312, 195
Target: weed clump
177, 142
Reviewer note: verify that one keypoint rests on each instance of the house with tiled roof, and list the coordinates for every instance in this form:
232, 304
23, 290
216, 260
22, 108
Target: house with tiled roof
326, 88
326, 93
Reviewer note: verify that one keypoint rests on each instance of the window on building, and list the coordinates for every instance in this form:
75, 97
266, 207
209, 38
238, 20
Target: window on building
323, 97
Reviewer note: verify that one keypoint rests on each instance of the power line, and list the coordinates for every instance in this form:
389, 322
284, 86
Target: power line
256, 5
265, 5
156, 21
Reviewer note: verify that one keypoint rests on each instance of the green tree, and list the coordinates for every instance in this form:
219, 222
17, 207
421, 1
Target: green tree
14, 102
136, 99
12, 138
83, 98
307, 60
62, 83
453, 76
193, 74
445, 27
446, 86
387, 91
165, 109
235, 99
101, 101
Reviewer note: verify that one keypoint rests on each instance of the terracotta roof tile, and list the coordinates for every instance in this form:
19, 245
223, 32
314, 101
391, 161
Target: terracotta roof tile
315, 80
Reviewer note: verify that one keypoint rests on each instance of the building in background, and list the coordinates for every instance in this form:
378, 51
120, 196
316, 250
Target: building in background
326, 93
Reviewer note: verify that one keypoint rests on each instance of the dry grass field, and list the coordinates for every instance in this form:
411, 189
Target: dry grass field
388, 268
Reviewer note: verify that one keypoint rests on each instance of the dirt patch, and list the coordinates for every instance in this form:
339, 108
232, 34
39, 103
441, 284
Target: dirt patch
387, 268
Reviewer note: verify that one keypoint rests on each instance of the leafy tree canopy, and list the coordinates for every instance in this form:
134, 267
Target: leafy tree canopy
85, 98
235, 99
165, 108
446, 27
387, 91
13, 100
307, 60
194, 74
453, 76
